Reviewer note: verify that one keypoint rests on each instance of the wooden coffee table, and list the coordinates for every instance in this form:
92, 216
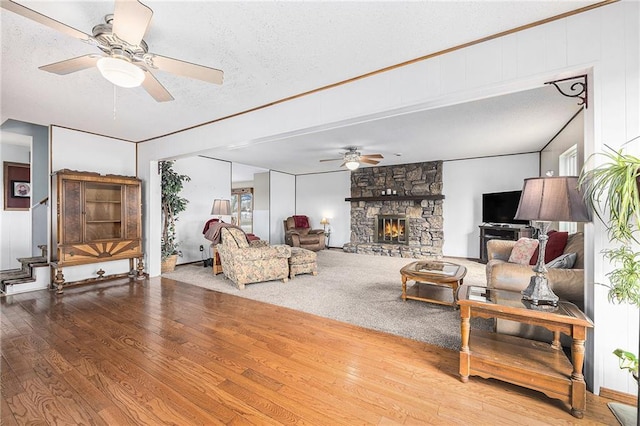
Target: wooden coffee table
435, 275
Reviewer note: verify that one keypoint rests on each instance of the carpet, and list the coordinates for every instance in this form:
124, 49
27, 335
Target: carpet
354, 288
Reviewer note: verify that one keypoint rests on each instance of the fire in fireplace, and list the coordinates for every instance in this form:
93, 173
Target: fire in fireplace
392, 229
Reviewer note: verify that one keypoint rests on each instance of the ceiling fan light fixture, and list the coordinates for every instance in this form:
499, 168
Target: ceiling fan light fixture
120, 72
352, 165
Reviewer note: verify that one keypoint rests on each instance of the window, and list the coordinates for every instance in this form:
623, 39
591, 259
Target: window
568, 166
242, 208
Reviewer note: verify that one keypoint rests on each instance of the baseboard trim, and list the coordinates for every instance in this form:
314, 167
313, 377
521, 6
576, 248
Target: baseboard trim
625, 398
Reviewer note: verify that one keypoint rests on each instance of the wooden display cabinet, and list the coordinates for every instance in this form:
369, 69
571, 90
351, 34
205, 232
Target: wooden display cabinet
95, 218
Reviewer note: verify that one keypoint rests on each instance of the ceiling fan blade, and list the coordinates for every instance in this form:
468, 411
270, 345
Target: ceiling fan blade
154, 88
372, 156
368, 161
185, 69
131, 20
44, 20
72, 65
330, 159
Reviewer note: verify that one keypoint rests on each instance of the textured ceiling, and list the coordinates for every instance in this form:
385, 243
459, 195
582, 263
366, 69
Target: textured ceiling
268, 51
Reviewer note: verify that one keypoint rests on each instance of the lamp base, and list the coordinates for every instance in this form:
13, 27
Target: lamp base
539, 292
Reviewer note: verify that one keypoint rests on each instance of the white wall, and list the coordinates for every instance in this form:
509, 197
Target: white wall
602, 42
282, 202
81, 151
15, 226
210, 179
322, 195
571, 135
261, 205
464, 182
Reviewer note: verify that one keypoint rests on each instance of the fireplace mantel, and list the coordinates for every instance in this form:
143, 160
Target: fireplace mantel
397, 198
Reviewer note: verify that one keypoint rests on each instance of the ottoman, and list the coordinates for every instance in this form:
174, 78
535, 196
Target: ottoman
302, 261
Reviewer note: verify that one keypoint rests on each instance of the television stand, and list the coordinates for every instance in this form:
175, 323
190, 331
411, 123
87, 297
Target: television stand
501, 232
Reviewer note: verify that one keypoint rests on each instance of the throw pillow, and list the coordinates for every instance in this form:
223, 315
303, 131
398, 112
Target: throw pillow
564, 261
555, 247
301, 221
523, 250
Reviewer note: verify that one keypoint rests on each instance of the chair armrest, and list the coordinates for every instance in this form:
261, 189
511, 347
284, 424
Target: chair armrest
509, 276
567, 284
316, 231
499, 249
258, 243
259, 253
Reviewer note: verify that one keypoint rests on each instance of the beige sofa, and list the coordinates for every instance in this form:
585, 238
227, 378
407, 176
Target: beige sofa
568, 284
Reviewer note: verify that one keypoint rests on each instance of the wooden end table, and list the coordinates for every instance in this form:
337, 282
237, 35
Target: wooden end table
434, 274
523, 362
216, 266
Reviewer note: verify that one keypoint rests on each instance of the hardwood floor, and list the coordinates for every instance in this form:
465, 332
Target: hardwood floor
163, 352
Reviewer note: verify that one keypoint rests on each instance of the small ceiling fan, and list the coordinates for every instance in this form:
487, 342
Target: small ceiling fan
352, 158
124, 59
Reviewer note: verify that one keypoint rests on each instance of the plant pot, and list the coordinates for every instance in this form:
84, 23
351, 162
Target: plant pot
169, 264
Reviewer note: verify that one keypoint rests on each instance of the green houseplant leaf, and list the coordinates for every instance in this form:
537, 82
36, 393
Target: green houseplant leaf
172, 205
611, 190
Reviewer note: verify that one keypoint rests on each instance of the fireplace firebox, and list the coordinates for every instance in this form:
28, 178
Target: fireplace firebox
392, 229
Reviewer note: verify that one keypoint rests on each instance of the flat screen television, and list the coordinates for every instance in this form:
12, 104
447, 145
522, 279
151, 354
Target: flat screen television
501, 207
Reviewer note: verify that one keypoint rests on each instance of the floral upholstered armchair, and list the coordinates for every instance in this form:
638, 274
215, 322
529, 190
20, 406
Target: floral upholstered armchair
243, 263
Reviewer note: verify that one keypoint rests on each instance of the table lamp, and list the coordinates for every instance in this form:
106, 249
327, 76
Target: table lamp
221, 208
545, 200
324, 222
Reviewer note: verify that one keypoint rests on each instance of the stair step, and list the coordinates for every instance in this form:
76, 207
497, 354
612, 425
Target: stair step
22, 280
12, 274
25, 275
32, 260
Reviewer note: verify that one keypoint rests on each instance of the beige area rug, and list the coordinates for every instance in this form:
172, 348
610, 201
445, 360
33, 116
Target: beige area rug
354, 288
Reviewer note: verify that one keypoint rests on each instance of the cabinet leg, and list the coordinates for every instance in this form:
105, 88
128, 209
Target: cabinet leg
59, 281
140, 269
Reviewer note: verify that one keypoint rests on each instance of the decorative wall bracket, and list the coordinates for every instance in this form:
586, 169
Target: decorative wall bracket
579, 89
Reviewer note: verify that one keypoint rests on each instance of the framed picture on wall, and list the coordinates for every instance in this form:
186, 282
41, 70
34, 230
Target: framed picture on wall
17, 186
20, 189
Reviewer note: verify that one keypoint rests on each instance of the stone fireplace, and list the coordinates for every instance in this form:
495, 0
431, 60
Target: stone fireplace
407, 223
392, 229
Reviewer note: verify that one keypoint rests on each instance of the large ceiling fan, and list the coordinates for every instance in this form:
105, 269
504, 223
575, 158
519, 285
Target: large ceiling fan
125, 59
352, 158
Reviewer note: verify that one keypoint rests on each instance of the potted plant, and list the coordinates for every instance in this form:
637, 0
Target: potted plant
612, 190
172, 204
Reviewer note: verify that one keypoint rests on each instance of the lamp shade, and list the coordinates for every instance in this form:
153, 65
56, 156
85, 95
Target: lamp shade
324, 221
221, 207
552, 199
120, 72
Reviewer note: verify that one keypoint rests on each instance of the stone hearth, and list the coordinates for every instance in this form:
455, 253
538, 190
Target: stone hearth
424, 220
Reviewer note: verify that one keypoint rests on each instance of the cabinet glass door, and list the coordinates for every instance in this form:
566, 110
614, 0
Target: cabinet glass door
103, 211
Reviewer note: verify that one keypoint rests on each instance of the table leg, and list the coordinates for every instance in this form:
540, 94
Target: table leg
556, 341
465, 355
578, 385
404, 288
455, 287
